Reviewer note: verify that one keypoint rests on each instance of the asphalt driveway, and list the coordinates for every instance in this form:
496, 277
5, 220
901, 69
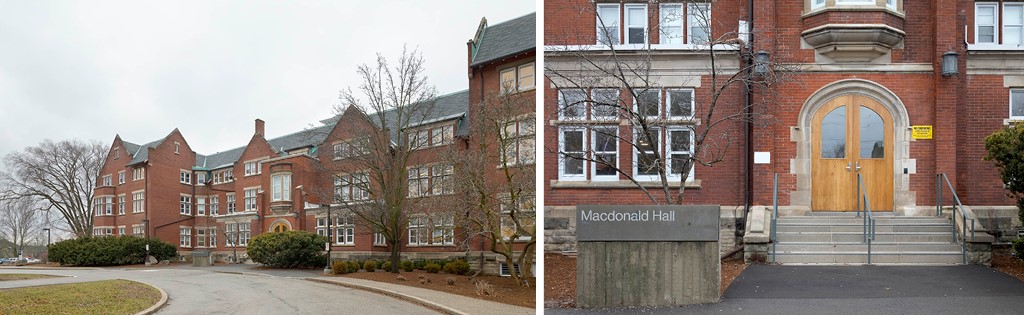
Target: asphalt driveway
765, 289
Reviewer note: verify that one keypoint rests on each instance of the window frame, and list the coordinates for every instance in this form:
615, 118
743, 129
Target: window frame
594, 104
563, 106
185, 204
251, 204
594, 152
1020, 93
120, 178
668, 152
562, 154
610, 41
636, 154
120, 204
185, 237
185, 177
280, 184
691, 18
1002, 18
628, 25
995, 23
637, 94
663, 24
668, 103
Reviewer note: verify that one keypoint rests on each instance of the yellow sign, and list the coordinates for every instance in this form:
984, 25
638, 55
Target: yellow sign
921, 132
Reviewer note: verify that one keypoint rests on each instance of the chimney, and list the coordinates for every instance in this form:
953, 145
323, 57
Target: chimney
259, 127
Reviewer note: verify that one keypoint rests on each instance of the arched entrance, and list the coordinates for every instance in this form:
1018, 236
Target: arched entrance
855, 123
280, 226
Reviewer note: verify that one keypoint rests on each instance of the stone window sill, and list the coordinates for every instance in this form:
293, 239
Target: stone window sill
619, 184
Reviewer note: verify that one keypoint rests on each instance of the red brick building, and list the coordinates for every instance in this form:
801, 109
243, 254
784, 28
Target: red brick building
216, 203
956, 66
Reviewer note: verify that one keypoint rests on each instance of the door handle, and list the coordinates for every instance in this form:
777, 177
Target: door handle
858, 166
848, 166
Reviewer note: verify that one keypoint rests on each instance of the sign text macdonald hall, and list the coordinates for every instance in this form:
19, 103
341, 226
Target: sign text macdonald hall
603, 223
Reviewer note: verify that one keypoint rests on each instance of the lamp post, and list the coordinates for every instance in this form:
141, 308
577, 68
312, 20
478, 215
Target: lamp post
47, 244
145, 224
327, 269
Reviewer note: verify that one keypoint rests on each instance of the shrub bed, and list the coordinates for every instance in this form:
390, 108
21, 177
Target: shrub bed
109, 251
291, 249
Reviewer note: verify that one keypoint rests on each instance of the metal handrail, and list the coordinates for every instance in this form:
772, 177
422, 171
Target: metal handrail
869, 217
775, 213
957, 205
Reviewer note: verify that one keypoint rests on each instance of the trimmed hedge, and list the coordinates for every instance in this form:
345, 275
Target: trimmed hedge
109, 251
405, 265
458, 267
432, 268
291, 249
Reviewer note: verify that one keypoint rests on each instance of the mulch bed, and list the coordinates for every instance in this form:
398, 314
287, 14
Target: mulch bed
560, 278
1004, 262
505, 290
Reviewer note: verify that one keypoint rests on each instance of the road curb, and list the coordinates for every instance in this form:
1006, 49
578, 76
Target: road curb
159, 304
401, 296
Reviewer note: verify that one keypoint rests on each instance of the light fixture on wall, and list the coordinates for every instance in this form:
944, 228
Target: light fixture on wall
761, 62
949, 63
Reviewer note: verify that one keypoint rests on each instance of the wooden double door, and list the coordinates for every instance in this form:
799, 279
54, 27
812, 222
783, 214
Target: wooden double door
852, 134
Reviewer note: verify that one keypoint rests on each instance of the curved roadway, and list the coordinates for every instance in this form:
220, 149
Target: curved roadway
193, 291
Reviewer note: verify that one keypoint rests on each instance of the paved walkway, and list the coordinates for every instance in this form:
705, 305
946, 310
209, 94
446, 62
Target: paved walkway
764, 289
434, 300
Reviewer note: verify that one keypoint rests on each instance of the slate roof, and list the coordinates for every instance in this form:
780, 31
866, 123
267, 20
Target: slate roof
506, 39
445, 107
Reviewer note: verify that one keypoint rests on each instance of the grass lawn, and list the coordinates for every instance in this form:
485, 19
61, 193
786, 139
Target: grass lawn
22, 276
99, 297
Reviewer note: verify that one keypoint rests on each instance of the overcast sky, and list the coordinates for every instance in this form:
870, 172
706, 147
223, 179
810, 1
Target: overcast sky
93, 69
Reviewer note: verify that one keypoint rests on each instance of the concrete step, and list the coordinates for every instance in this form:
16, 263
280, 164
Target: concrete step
854, 220
922, 258
853, 248
879, 228
897, 237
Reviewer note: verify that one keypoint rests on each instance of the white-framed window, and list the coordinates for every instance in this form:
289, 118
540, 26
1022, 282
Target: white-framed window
250, 199
279, 186
636, 23
604, 104
339, 148
177, 146
890, 4
678, 151
106, 180
120, 204
186, 177
571, 104
645, 155
200, 237
817, 4
237, 234
441, 181
137, 230
671, 23
419, 181
572, 145
379, 239
121, 230
1013, 23
103, 205
608, 24
647, 102
200, 205
431, 230
138, 201
231, 203
185, 205
120, 178
855, 2
200, 178
253, 168
321, 226
345, 230
117, 153
680, 103
185, 237
526, 216
442, 135
213, 236
985, 19
518, 141
214, 205
605, 146
1017, 104
517, 78
698, 17
138, 173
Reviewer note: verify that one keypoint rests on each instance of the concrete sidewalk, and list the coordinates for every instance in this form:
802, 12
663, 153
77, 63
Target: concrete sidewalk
766, 289
460, 304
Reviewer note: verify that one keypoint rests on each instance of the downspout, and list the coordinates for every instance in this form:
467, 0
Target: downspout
749, 135
483, 96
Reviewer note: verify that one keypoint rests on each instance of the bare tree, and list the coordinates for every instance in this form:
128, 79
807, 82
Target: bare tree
62, 174
369, 177
611, 92
494, 180
21, 221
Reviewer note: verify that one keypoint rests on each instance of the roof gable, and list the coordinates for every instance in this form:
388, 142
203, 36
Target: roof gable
504, 39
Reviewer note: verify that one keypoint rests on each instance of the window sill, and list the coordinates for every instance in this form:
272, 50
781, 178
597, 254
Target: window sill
618, 184
994, 47
653, 47
1013, 121
342, 245
853, 8
430, 245
598, 122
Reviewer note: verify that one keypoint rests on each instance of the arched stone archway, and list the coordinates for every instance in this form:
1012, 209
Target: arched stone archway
802, 133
